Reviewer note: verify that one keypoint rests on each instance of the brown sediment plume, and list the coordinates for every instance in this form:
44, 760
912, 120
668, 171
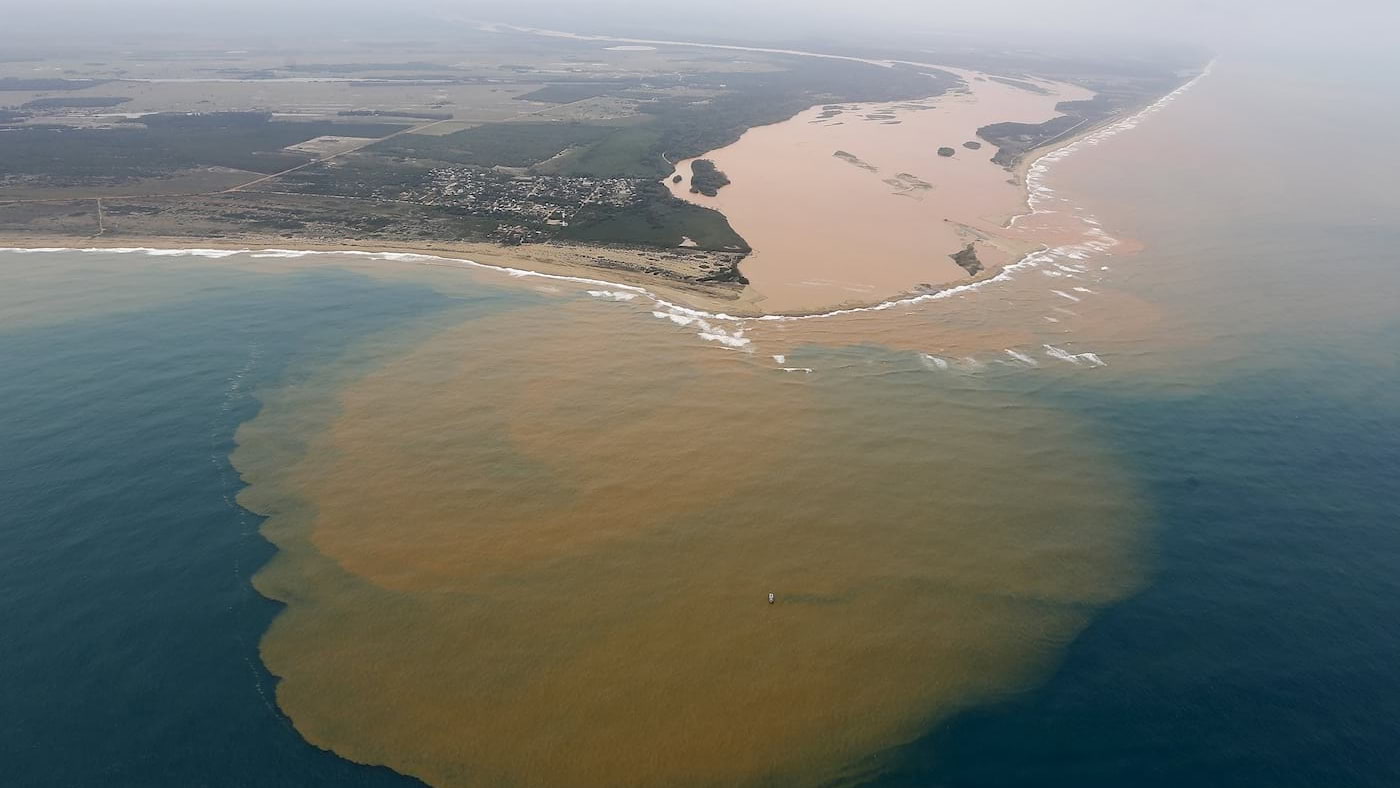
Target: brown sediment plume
828, 234
518, 550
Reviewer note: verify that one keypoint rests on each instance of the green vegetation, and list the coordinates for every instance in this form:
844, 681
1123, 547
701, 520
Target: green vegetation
169, 142
671, 126
355, 175
1014, 140
691, 128
75, 102
49, 83
569, 92
620, 154
946, 151
706, 178
521, 174
966, 258
657, 219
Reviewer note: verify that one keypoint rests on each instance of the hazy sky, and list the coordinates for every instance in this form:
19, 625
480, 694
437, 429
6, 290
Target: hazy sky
1337, 25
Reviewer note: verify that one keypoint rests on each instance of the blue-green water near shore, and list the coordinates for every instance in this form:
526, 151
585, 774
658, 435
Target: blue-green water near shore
1182, 568
1263, 651
131, 625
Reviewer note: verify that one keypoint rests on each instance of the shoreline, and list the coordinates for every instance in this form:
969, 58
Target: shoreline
1024, 172
691, 306
580, 263
422, 255
716, 301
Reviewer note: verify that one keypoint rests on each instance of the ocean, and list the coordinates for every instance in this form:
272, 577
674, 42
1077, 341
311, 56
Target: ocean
1126, 517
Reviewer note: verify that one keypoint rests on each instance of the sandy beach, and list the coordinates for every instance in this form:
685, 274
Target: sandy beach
647, 269
853, 204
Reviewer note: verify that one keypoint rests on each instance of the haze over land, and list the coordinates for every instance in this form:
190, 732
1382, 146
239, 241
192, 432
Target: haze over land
1347, 26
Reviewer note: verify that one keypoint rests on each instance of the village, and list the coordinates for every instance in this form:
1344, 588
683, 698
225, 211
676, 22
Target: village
531, 200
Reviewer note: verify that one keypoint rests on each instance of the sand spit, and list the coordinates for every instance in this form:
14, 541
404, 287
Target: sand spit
597, 265
852, 204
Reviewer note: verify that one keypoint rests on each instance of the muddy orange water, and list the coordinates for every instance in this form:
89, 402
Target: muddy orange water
528, 537
529, 541
851, 203
535, 548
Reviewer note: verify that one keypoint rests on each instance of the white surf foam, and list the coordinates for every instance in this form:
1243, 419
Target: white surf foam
1023, 358
1077, 359
1035, 174
289, 254
612, 294
933, 362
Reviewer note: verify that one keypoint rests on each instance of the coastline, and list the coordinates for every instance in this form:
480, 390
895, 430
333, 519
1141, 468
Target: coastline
580, 263
704, 302
621, 267
1024, 172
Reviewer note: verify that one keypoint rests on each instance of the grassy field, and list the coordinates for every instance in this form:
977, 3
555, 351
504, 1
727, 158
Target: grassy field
623, 153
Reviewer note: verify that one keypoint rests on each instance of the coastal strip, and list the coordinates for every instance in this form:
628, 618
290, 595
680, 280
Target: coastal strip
1036, 170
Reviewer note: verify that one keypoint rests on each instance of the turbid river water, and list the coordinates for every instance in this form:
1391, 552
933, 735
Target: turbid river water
854, 204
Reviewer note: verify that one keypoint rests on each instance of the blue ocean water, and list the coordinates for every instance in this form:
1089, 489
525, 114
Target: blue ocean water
131, 628
1263, 650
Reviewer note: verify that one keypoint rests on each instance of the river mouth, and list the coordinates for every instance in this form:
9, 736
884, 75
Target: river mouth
561, 576
853, 204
